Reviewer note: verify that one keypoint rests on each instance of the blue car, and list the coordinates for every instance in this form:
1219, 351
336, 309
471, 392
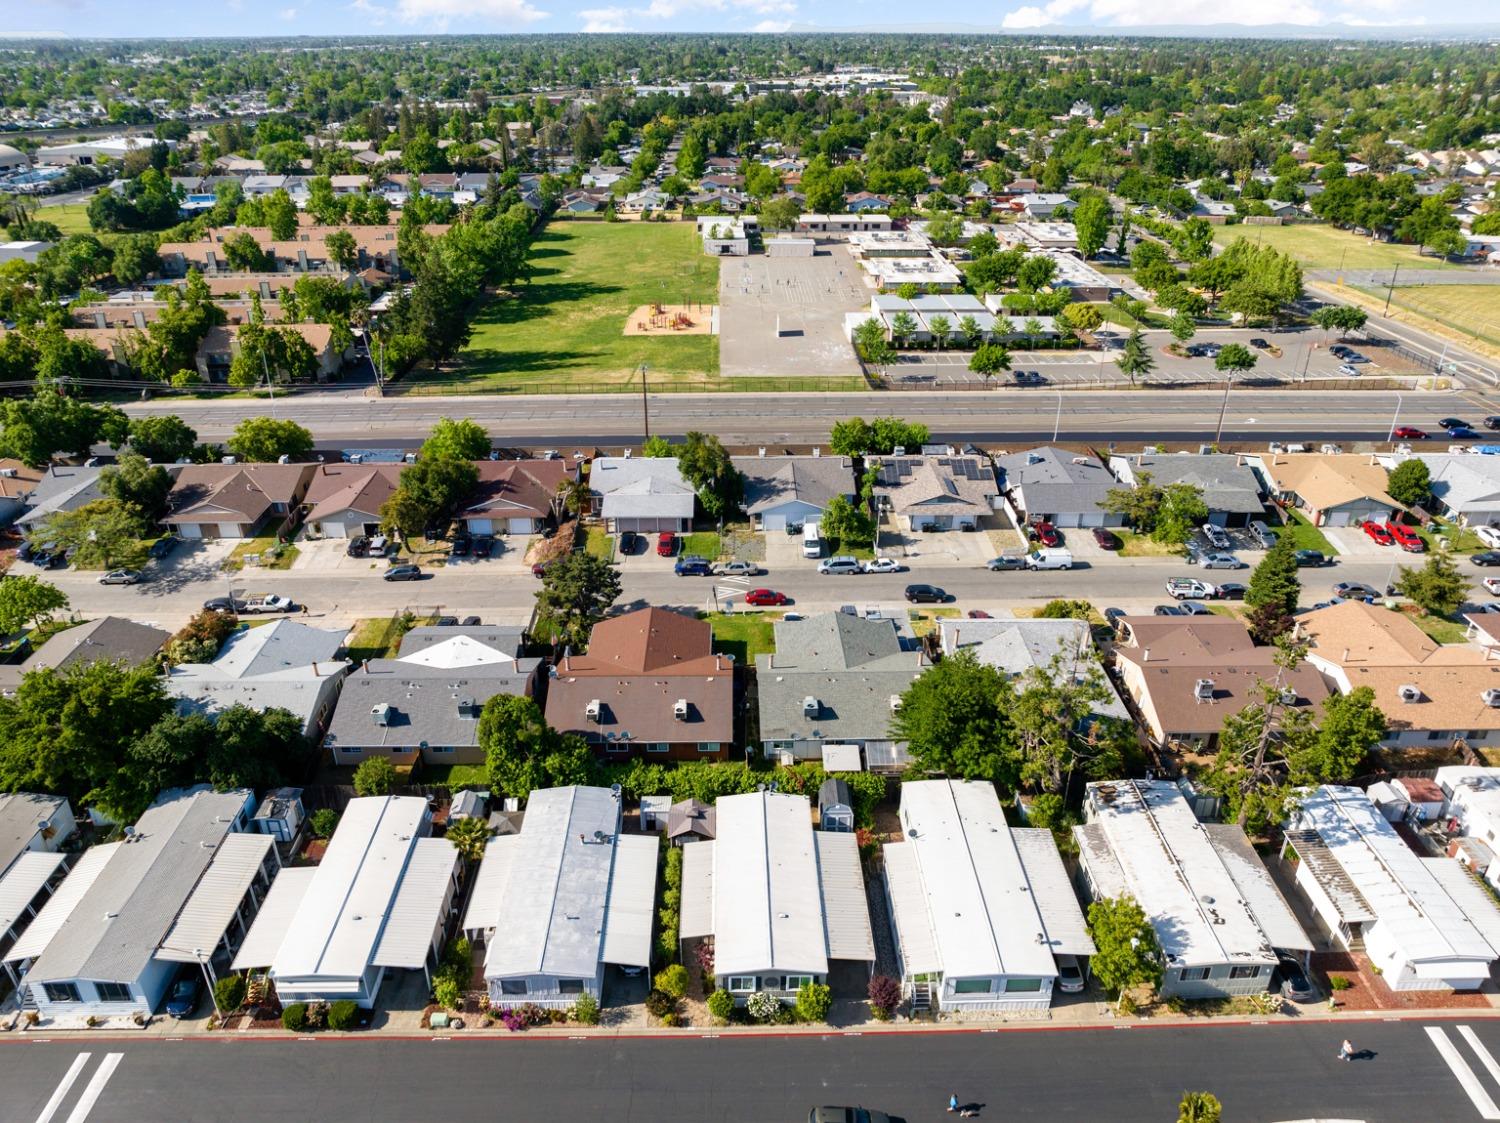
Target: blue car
1462, 431
185, 994
693, 567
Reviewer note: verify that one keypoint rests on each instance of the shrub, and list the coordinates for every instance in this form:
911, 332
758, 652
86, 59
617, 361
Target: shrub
376, 776
885, 995
1127, 1005
317, 1015
671, 1019
763, 1006
586, 1010
343, 1014
721, 1005
672, 875
512, 1021
814, 1000
666, 939
703, 955
229, 992
673, 980
659, 1004
294, 1017
445, 992
324, 822
1340, 982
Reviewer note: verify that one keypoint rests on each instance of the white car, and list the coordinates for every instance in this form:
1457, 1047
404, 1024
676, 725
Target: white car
883, 565
1492, 584
737, 569
1489, 535
1216, 536
1221, 561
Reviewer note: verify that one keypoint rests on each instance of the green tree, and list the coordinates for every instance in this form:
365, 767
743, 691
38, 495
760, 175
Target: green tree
1127, 954
657, 447
1052, 712
242, 251
969, 328
105, 533
136, 482
1410, 483
162, 438
871, 343
342, 249
1235, 357
1181, 512
903, 327
34, 429
1183, 327
780, 213
990, 359
1135, 359
134, 258
1091, 222
941, 328
264, 440
469, 837
953, 722
846, 522
577, 590
25, 599
281, 215
523, 752
1083, 317
375, 776
429, 494
1199, 1107
1437, 588
1035, 273
1342, 318
457, 440
705, 463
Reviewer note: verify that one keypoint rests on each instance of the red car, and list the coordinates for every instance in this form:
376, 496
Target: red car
1378, 534
1046, 534
666, 544
539, 568
1405, 538
1408, 433
763, 598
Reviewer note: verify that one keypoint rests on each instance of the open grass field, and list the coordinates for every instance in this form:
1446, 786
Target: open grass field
568, 324
1472, 310
70, 218
743, 635
1327, 247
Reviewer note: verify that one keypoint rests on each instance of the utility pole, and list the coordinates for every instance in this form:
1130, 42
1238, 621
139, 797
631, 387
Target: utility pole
1391, 288
1224, 405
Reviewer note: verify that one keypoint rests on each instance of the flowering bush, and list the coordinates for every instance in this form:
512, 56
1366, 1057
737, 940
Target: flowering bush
763, 1006
885, 995
512, 1020
703, 955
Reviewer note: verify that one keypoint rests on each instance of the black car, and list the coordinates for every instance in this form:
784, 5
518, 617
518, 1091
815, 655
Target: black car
447, 621
1313, 558
403, 573
219, 604
1488, 557
484, 545
359, 546
1113, 615
926, 594
1453, 423
850, 1115
1167, 610
1492, 422
58, 560
1259, 344
1233, 590
461, 546
27, 552
1029, 378
630, 542
471, 622
163, 546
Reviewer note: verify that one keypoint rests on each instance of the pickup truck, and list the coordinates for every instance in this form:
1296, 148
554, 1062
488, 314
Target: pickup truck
253, 605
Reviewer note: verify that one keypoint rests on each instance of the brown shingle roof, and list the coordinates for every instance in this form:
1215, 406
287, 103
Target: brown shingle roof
234, 492
335, 488
516, 488
647, 641
1328, 481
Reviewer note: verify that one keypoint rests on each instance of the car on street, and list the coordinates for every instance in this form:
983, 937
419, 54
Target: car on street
1489, 535
689, 565
1184, 587
1408, 433
737, 568
163, 546
1216, 536
762, 598
1293, 982
1106, 539
850, 1115
842, 564
1260, 344
883, 565
1354, 590
1377, 533
186, 993
1221, 561
120, 577
1486, 558
1231, 590
1167, 610
926, 594
1452, 423
1406, 538
1046, 534
1459, 432
666, 544
1311, 559
1005, 562
252, 605
1194, 608
1492, 585
403, 573
1492, 421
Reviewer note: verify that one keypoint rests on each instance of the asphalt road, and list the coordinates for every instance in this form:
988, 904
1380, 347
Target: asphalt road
1261, 1073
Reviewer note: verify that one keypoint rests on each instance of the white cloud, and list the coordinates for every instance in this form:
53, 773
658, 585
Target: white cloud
604, 21
374, 14
772, 26
1032, 16
1145, 13
287, 14
439, 13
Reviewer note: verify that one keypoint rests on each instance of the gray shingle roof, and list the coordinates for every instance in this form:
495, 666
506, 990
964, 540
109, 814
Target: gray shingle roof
109, 637
937, 485
1018, 646
426, 703
502, 638
21, 816
1227, 483
1049, 480
771, 481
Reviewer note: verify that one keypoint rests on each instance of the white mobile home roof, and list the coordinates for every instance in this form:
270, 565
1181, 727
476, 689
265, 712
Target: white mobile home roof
919, 953
768, 910
632, 898
420, 905
1256, 887
846, 909
211, 908
335, 931
22, 882
696, 919
483, 912
274, 918
553, 906
1062, 918
60, 906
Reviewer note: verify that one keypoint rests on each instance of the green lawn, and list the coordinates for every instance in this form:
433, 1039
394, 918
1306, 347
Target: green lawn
837, 547
70, 218
1327, 247
600, 543
1440, 628
701, 544
743, 635
1305, 536
567, 325
1473, 310
1460, 539
271, 554
380, 637
455, 776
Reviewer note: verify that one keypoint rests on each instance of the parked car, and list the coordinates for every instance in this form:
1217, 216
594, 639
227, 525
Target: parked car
1260, 344
539, 569
850, 1115
461, 546
1294, 983
120, 577
186, 992
1049, 559
1486, 558
471, 622
1311, 558
1377, 533
252, 605
1489, 535
1005, 562
1355, 357
484, 546
1114, 615
979, 614
1492, 585
631, 543
1348, 371
1408, 433
27, 552
403, 573
762, 598
1492, 421
883, 565
737, 568
1105, 539
1221, 561
378, 546
1406, 538
1167, 610
1183, 587
164, 546
1262, 534
358, 547
666, 544
843, 564
1194, 608
1046, 534
926, 594
1216, 536
1069, 974
447, 621
1231, 590
1354, 590
692, 566
1028, 377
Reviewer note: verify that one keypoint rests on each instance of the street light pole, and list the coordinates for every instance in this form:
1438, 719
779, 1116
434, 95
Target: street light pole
1057, 421
1223, 406
1391, 436
1391, 288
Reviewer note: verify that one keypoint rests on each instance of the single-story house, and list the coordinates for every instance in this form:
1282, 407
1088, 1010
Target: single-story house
17, 484
378, 901
32, 823
1218, 916
978, 909
236, 500
1332, 489
563, 900
1022, 648
1231, 490
344, 500
108, 637
782, 903
516, 496
63, 487
1050, 484
1465, 485
783, 491
936, 492
641, 493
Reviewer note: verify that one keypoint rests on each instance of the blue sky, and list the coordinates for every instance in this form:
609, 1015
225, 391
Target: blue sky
107, 18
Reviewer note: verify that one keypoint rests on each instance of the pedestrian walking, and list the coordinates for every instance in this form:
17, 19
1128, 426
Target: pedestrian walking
953, 1102
1346, 1051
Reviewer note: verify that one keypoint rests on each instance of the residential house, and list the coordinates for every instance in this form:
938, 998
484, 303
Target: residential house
377, 902
1042, 204
222, 343
1050, 484
174, 890
426, 702
1231, 490
641, 493
1424, 923
283, 665
1431, 693
1021, 647
62, 488
649, 686
516, 496
112, 638
1218, 916
236, 500
561, 902
1331, 489
1187, 673
926, 493
834, 679
344, 500
783, 904
979, 910
1465, 485
783, 491
17, 484
32, 824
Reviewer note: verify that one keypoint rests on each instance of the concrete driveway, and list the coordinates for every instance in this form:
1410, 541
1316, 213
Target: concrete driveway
944, 548
784, 552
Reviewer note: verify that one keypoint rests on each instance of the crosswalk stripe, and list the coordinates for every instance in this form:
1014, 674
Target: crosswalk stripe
61, 1091
1461, 1072
102, 1074
1489, 1062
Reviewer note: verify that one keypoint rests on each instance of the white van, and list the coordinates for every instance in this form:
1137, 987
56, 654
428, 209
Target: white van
812, 542
1049, 559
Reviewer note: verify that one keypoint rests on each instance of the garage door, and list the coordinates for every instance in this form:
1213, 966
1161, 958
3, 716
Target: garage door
333, 529
481, 526
229, 530
1068, 519
1092, 518
1337, 518
190, 530
773, 522
520, 526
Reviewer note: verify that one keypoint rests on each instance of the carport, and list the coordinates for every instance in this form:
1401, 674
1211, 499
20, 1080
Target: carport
213, 920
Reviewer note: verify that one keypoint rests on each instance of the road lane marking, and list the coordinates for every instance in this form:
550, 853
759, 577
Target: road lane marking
1463, 1074
95, 1087
1490, 1064
61, 1091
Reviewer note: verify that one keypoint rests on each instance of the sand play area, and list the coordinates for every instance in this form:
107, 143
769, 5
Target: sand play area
673, 319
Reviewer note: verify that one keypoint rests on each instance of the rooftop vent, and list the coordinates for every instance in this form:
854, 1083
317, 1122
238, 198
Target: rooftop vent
680, 709
593, 710
1203, 690
1409, 692
895, 703
1288, 697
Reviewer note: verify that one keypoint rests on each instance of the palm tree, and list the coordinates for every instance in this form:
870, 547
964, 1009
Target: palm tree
469, 838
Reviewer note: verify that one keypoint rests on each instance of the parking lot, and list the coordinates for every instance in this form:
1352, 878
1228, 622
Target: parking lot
807, 296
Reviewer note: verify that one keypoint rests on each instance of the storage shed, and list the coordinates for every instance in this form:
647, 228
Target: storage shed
835, 806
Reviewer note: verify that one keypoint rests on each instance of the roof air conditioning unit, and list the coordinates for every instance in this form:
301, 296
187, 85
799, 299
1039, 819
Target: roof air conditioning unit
381, 712
1080, 460
1491, 697
228, 460
810, 706
1288, 697
8, 473
593, 709
899, 450
1409, 693
283, 459
895, 703
1203, 690
680, 709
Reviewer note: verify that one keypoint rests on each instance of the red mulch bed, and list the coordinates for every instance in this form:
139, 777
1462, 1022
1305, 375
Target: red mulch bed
1370, 991
315, 849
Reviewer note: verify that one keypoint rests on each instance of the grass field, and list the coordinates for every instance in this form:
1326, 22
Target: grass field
1473, 310
743, 635
70, 218
1327, 247
568, 323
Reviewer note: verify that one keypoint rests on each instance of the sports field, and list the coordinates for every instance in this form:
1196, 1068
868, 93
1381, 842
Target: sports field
1328, 247
1472, 310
